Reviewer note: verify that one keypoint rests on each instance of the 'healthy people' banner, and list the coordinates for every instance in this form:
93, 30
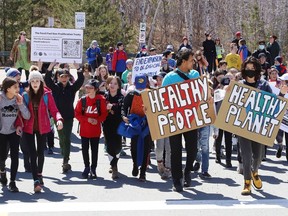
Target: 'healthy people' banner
62, 45
178, 108
149, 65
251, 113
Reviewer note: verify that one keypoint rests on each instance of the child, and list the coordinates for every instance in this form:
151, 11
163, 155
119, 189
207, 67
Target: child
102, 78
40, 102
10, 105
90, 111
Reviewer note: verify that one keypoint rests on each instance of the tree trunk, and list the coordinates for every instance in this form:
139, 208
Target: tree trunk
150, 38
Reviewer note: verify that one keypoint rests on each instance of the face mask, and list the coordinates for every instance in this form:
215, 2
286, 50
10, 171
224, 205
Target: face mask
261, 47
249, 73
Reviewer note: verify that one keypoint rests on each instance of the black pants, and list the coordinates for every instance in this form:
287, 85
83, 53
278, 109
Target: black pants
50, 139
94, 144
147, 146
13, 141
36, 153
113, 141
119, 74
191, 138
26, 72
228, 144
211, 62
25, 152
93, 66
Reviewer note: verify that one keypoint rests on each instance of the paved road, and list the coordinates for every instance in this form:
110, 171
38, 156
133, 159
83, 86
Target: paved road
69, 194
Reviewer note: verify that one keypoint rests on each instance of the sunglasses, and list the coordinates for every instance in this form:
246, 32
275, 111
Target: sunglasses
23, 34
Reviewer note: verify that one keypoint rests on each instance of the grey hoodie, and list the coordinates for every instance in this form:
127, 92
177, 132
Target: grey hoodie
8, 113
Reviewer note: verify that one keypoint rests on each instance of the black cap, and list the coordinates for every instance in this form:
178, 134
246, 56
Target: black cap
119, 44
225, 81
161, 74
93, 83
63, 72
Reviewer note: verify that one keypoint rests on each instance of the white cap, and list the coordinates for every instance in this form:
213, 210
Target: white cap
284, 77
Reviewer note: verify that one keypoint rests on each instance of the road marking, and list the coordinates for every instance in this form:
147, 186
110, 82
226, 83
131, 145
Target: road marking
142, 206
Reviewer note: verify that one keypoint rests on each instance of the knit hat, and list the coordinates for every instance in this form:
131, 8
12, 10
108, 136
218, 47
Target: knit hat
170, 47
129, 61
144, 47
161, 74
94, 42
35, 75
184, 38
140, 81
238, 33
279, 59
119, 44
12, 72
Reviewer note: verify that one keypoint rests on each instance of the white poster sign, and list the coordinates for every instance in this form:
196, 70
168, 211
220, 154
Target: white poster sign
149, 65
62, 45
80, 20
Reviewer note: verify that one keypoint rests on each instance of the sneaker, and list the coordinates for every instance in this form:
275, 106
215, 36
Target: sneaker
160, 168
66, 167
135, 171
3, 178
50, 151
205, 175
142, 177
115, 172
93, 174
40, 178
228, 164
177, 186
37, 186
187, 179
279, 151
257, 182
196, 167
167, 174
13, 187
110, 169
123, 153
247, 188
218, 159
86, 172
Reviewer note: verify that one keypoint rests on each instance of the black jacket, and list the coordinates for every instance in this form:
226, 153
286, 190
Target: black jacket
64, 96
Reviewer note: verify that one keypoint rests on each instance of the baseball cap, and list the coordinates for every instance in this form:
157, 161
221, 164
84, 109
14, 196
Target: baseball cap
161, 74
238, 33
140, 81
93, 83
152, 49
129, 61
284, 77
62, 72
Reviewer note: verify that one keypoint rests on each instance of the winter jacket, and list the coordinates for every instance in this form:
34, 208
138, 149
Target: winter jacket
87, 129
43, 114
119, 61
64, 96
91, 54
274, 49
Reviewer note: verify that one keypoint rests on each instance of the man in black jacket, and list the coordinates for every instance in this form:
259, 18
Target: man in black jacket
64, 95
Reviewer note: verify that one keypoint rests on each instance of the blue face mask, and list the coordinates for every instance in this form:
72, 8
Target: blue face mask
261, 47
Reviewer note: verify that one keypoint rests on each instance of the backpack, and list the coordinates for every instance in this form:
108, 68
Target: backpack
84, 102
26, 99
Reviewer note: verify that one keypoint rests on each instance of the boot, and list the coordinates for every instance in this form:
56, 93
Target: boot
160, 167
115, 172
247, 188
3, 178
66, 166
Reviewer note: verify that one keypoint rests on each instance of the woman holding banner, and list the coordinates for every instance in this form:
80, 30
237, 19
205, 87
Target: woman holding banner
252, 151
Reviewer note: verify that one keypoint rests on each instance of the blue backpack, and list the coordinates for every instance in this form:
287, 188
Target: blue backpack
26, 99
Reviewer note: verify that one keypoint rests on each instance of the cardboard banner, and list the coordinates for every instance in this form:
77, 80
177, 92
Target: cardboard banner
251, 113
149, 65
179, 108
64, 45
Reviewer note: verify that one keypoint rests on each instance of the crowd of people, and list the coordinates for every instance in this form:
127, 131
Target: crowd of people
109, 98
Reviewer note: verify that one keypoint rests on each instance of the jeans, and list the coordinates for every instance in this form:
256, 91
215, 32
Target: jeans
65, 138
161, 146
203, 145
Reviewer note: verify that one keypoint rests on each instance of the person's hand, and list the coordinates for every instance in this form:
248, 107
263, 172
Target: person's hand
19, 99
59, 125
92, 121
39, 64
109, 106
215, 136
52, 65
76, 65
283, 89
19, 130
125, 119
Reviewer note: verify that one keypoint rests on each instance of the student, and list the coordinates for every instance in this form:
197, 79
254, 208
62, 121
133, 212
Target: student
92, 54
129, 66
40, 103
64, 95
119, 60
101, 76
114, 99
90, 115
11, 102
232, 58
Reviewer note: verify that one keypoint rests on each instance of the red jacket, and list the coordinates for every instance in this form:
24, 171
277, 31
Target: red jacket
87, 129
43, 115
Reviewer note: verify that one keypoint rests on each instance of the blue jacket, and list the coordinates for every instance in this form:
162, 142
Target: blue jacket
92, 53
